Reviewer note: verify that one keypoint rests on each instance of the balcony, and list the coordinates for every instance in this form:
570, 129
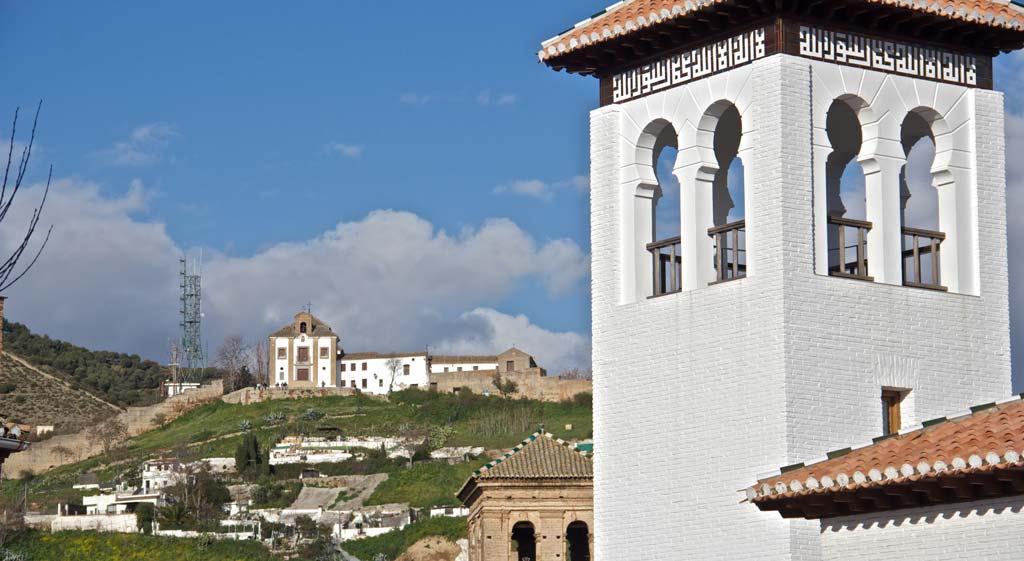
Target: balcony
849, 257
668, 265
730, 251
921, 254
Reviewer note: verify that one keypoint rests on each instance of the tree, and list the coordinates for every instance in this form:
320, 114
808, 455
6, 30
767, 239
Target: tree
232, 357
261, 358
576, 373
504, 386
159, 419
394, 366
8, 191
112, 434
248, 457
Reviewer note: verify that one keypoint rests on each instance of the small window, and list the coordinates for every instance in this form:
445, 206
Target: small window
476, 368
510, 365
325, 352
282, 353
446, 369
343, 367
302, 327
891, 421
303, 355
353, 383
459, 369
380, 383
405, 369
364, 383
364, 366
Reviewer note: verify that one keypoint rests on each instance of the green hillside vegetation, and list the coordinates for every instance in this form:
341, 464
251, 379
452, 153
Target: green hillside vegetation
119, 378
215, 430
92, 546
395, 543
27, 397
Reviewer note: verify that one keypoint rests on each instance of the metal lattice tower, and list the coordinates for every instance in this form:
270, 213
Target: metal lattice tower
191, 357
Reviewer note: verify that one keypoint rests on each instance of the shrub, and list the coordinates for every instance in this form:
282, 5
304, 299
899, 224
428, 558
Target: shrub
7, 387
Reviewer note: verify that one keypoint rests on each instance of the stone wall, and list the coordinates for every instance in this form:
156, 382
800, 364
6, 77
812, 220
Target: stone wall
532, 384
41, 457
245, 396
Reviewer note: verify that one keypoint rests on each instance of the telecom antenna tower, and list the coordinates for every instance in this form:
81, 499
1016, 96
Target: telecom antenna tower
192, 359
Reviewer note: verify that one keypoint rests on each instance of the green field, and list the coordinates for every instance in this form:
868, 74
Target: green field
214, 430
395, 543
92, 546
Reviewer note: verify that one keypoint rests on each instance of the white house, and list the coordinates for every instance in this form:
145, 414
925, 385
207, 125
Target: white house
794, 313
303, 353
381, 373
160, 473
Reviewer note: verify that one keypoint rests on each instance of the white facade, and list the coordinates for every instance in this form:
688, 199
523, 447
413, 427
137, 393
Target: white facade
787, 363
370, 372
303, 353
988, 530
437, 367
161, 473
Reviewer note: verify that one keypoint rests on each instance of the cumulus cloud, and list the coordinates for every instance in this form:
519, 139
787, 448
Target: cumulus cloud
391, 281
542, 190
348, 150
555, 351
144, 146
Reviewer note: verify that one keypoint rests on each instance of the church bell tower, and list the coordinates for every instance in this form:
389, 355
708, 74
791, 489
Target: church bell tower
817, 282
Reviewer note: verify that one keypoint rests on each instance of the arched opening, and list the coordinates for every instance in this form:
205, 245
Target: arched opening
302, 327
665, 214
577, 541
845, 194
919, 206
729, 231
524, 542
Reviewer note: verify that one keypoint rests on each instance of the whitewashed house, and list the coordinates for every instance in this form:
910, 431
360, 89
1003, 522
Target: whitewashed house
382, 373
303, 353
795, 313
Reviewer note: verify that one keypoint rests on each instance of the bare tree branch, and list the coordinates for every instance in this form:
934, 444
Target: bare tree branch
8, 268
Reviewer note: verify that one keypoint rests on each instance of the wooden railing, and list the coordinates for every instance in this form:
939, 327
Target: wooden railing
850, 235
668, 265
921, 250
730, 250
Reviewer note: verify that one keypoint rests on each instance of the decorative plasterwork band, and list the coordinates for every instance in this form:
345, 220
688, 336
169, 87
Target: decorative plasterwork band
886, 55
690, 65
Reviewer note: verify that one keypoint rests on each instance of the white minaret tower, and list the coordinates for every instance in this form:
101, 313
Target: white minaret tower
823, 314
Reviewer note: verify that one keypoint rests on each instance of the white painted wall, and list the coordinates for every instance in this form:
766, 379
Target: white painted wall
988, 530
438, 367
125, 523
378, 377
778, 367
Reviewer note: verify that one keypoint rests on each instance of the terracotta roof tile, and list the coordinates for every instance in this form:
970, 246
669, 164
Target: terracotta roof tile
987, 437
541, 456
463, 359
318, 329
625, 17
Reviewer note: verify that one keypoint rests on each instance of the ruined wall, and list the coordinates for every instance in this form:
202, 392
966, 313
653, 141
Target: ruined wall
532, 385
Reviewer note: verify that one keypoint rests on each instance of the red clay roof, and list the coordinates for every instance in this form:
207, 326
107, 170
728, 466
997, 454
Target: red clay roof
989, 437
628, 16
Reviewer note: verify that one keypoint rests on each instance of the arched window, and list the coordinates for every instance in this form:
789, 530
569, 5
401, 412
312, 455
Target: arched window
845, 194
919, 208
729, 231
577, 541
302, 327
524, 542
665, 248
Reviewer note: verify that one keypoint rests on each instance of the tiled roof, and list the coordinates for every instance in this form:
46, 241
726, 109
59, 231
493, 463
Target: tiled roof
623, 18
541, 456
985, 438
368, 356
317, 329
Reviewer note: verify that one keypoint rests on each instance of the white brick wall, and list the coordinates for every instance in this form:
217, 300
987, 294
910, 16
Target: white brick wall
779, 367
988, 530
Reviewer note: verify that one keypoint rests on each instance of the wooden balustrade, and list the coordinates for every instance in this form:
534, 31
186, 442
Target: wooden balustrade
730, 250
668, 265
921, 249
839, 262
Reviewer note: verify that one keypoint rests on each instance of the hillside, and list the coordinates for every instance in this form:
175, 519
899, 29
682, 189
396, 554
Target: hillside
91, 546
37, 398
118, 378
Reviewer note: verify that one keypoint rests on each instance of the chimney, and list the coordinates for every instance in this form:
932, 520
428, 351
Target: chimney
2, 298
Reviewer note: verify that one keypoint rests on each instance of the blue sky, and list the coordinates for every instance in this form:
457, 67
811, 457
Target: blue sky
256, 129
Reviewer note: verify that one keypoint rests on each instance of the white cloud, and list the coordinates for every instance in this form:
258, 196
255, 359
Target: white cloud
144, 146
413, 98
555, 351
390, 281
348, 150
542, 190
487, 98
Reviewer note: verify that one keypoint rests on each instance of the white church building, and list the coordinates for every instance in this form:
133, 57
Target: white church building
816, 347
